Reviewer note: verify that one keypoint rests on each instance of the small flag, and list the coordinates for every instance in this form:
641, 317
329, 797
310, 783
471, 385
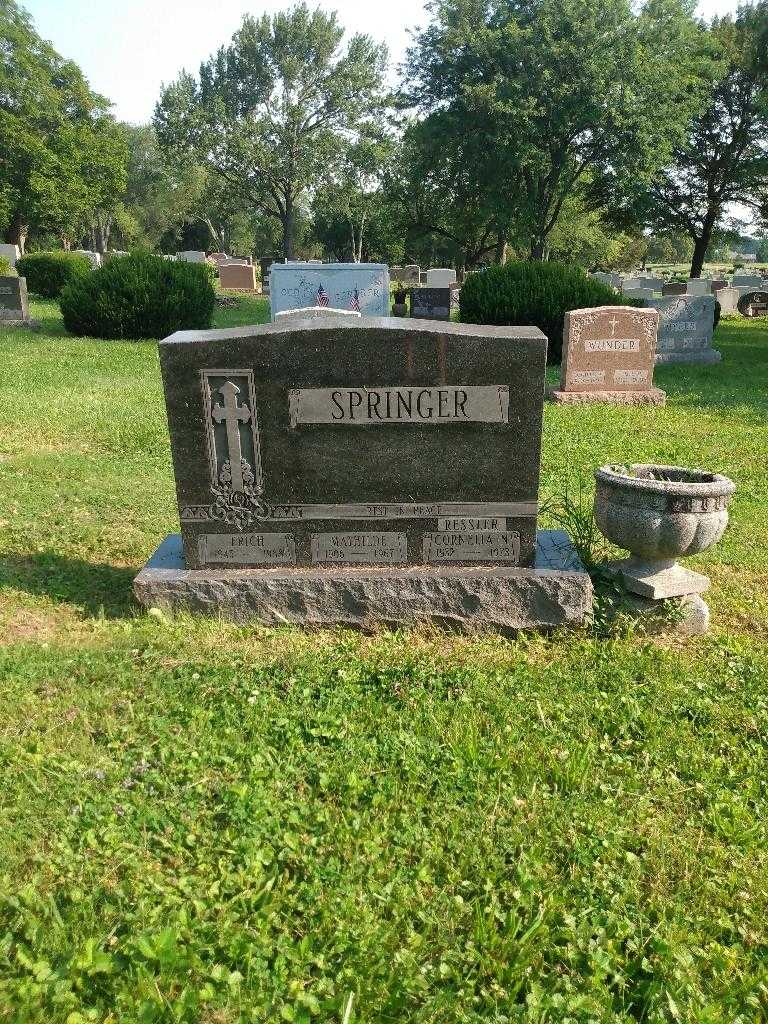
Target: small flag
355, 303
322, 297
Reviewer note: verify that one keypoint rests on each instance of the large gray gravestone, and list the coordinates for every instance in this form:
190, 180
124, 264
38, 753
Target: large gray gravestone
686, 325
14, 305
363, 287
375, 471
11, 252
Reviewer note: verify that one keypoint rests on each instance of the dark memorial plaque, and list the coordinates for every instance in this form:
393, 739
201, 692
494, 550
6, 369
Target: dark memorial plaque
431, 303
753, 304
306, 445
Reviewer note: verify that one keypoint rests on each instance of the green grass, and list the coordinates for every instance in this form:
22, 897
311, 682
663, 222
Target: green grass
208, 823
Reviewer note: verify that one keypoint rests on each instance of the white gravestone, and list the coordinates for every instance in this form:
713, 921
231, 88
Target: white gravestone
441, 277
728, 297
359, 287
316, 313
11, 252
686, 325
191, 256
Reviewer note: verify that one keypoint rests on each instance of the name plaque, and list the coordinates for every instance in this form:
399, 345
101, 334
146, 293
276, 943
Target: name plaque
612, 345
366, 548
482, 546
466, 524
373, 406
248, 548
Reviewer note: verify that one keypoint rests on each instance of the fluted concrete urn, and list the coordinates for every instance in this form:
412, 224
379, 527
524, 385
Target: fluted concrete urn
660, 514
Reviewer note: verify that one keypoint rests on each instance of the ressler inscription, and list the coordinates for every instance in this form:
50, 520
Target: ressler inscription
424, 405
482, 546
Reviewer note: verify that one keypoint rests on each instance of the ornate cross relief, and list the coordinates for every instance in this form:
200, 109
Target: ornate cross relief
234, 452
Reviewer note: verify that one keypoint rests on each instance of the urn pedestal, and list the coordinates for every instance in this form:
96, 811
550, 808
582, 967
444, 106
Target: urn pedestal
660, 514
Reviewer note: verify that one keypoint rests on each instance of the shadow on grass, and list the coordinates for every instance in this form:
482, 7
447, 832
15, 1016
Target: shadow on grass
101, 591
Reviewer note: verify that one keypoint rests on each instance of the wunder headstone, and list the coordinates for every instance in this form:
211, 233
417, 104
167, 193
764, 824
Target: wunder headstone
753, 304
362, 287
14, 305
381, 471
237, 275
608, 356
686, 326
431, 303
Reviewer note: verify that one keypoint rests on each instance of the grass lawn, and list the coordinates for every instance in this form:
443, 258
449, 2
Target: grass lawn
208, 823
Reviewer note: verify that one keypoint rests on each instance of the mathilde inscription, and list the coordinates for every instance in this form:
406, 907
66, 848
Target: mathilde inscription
608, 355
303, 444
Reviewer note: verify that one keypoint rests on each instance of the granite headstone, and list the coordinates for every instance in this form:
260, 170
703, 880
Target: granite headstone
14, 305
753, 304
431, 303
363, 472
238, 276
686, 325
608, 356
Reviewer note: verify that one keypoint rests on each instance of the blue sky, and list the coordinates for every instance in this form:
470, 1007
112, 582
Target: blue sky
128, 48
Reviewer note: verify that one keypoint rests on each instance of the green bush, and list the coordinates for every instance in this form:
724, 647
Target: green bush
533, 294
47, 273
139, 296
5, 266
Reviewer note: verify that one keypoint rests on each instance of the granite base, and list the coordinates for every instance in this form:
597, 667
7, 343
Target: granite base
653, 396
556, 592
703, 357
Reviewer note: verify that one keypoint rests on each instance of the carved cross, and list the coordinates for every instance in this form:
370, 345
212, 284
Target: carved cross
613, 324
233, 415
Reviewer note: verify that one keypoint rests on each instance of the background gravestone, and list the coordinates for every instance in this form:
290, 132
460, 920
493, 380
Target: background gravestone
237, 275
431, 303
363, 287
14, 305
753, 304
11, 252
675, 288
317, 464
608, 356
441, 277
686, 326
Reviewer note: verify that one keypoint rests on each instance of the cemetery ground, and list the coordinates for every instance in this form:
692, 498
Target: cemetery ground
203, 822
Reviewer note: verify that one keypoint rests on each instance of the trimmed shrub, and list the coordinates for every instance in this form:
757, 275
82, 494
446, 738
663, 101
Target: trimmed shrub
139, 296
533, 295
48, 272
5, 266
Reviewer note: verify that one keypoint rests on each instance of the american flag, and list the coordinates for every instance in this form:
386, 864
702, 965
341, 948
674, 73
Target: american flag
322, 297
355, 303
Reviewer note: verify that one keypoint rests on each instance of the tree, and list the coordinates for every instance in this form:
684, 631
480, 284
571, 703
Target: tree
269, 111
61, 154
561, 92
723, 158
444, 187
762, 250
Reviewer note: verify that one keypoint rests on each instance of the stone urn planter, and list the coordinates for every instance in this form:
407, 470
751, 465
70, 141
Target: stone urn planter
660, 514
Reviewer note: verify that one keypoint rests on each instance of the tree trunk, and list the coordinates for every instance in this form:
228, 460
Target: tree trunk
288, 220
538, 246
17, 231
701, 244
500, 255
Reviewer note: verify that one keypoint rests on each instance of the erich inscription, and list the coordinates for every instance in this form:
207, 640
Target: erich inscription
359, 548
366, 406
481, 546
248, 548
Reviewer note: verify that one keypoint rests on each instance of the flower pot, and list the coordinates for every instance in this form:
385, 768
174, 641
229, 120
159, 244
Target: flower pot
660, 514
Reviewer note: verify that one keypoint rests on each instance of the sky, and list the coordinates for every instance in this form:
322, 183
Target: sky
129, 48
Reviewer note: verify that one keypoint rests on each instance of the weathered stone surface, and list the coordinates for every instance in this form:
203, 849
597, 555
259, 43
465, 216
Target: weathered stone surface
753, 304
11, 252
557, 592
680, 616
648, 580
191, 256
441, 277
